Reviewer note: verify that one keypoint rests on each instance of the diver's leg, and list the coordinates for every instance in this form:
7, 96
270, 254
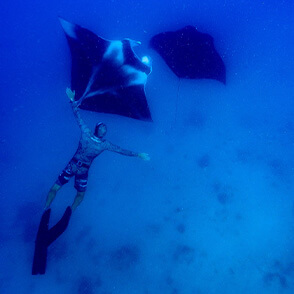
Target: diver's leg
51, 195
63, 178
78, 199
81, 181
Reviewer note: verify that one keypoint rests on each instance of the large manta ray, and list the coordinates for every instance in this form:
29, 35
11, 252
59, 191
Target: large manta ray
107, 76
190, 54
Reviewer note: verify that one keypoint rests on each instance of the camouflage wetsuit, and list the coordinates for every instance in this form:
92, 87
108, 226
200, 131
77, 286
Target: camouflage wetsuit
89, 148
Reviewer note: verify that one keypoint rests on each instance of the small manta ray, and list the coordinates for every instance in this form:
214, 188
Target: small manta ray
107, 76
190, 54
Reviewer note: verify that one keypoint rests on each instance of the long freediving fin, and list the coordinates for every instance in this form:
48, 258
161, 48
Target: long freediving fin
60, 227
40, 254
45, 237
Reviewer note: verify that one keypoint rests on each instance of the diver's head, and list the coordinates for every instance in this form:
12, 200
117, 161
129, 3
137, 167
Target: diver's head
100, 130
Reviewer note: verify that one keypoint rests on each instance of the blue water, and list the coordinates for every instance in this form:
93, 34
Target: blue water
213, 210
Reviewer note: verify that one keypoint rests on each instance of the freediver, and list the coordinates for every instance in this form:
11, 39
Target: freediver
90, 146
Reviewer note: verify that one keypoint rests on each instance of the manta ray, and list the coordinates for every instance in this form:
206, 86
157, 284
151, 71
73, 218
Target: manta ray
190, 54
107, 76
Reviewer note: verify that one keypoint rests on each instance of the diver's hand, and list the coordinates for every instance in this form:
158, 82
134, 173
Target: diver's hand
70, 94
144, 156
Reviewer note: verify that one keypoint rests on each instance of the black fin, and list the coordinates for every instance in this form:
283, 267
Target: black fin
40, 254
60, 227
45, 237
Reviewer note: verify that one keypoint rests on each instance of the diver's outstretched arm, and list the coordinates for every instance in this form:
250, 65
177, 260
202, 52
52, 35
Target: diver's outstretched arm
117, 149
71, 95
